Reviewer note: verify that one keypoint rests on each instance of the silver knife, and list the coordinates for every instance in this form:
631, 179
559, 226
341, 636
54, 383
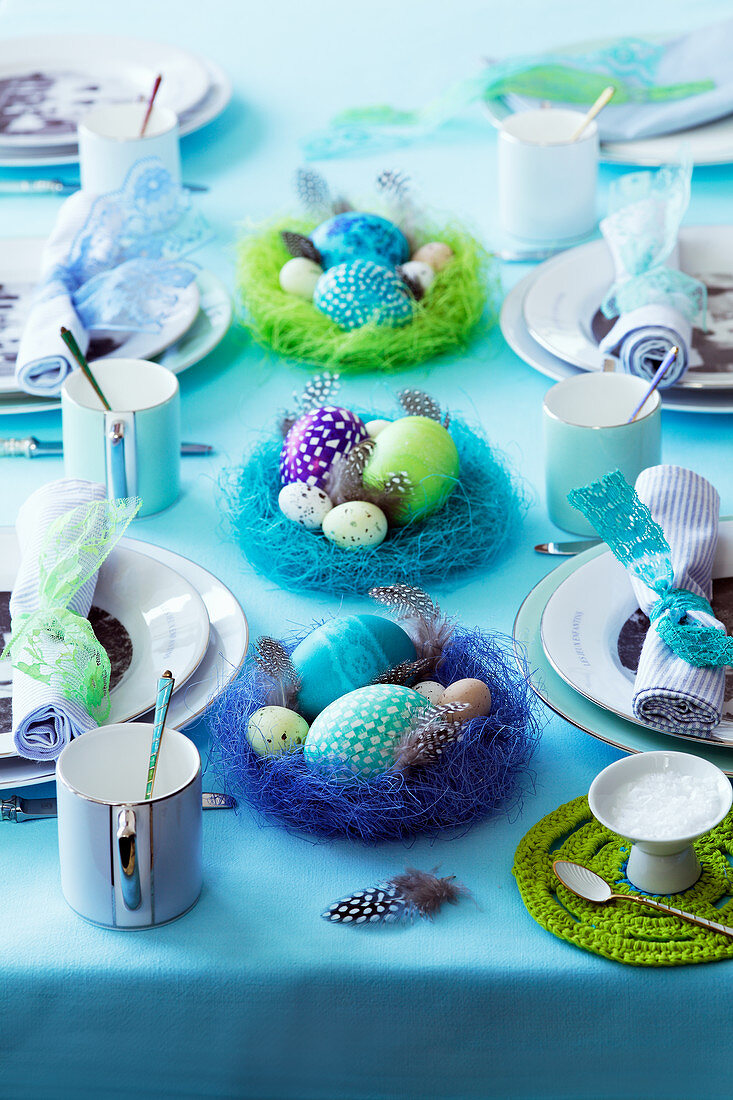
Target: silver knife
566, 548
30, 447
60, 187
31, 809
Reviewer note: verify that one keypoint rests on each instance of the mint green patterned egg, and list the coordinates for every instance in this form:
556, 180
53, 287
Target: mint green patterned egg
359, 732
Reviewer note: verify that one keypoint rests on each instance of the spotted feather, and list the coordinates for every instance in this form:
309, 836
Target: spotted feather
299, 245
313, 191
418, 403
381, 904
425, 743
405, 599
405, 672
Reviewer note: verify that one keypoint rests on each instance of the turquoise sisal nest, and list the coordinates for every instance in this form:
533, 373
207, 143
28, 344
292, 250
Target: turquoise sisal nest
474, 528
463, 300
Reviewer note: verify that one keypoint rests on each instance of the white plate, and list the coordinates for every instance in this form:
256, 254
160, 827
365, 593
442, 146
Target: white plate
51, 81
568, 703
164, 617
518, 337
222, 661
210, 107
561, 308
581, 625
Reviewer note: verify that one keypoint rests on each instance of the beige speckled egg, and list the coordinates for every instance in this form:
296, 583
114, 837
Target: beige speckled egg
473, 692
436, 254
374, 427
304, 504
355, 524
275, 730
431, 689
419, 272
299, 277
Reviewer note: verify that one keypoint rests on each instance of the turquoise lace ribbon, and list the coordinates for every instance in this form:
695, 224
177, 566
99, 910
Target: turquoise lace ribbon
53, 644
639, 543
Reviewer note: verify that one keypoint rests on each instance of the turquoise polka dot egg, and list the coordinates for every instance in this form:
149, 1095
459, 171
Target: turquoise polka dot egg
353, 294
355, 236
358, 734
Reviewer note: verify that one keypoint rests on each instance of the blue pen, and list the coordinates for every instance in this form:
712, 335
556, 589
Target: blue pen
662, 370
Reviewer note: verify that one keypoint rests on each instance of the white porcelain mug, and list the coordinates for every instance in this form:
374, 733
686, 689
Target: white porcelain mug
134, 450
547, 183
127, 862
110, 144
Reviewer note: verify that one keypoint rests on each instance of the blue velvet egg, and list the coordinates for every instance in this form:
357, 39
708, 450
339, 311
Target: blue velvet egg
353, 294
344, 654
315, 439
354, 236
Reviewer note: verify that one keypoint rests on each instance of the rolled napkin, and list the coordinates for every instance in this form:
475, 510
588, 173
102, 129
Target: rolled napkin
113, 263
666, 534
65, 529
656, 304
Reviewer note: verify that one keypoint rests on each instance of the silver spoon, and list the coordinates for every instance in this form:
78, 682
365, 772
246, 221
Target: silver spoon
587, 884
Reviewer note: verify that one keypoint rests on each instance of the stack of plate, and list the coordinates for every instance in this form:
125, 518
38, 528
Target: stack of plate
552, 317
49, 82
152, 610
581, 631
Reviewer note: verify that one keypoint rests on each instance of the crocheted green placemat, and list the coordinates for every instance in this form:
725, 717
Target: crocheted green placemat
627, 933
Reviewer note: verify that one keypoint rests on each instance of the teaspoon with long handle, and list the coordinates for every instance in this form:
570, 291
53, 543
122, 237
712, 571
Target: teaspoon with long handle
587, 884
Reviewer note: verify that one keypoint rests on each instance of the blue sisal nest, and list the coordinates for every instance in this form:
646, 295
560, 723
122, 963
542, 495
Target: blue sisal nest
483, 773
474, 528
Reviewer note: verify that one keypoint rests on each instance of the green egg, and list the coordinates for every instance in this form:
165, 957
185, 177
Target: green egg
275, 730
424, 450
359, 733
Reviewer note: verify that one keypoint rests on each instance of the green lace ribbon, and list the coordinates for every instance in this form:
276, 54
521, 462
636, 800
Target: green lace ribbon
54, 644
639, 543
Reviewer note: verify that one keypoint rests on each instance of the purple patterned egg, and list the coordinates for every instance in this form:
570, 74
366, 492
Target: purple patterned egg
315, 439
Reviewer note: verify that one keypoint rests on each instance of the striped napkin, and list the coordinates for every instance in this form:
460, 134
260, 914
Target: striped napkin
672, 695
44, 721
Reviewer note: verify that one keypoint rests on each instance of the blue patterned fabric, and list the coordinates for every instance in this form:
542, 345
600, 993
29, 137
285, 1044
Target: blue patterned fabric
114, 262
666, 535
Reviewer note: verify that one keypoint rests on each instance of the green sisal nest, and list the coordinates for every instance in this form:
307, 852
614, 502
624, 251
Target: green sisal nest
463, 300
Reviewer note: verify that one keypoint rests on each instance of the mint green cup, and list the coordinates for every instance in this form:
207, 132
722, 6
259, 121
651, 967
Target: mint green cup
587, 435
135, 450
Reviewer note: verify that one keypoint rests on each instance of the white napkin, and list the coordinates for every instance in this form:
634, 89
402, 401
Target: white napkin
671, 694
43, 720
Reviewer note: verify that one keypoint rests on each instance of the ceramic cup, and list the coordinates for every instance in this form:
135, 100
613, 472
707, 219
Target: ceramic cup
127, 862
586, 436
547, 183
110, 144
657, 866
134, 450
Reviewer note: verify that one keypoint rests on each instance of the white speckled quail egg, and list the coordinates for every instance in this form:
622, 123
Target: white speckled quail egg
419, 272
304, 504
356, 524
299, 277
374, 427
275, 730
436, 254
431, 689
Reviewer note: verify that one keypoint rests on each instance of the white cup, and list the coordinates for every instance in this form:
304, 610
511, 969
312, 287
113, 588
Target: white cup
110, 144
547, 183
127, 862
134, 450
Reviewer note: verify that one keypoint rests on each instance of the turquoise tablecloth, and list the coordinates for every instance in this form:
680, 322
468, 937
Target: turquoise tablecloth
253, 995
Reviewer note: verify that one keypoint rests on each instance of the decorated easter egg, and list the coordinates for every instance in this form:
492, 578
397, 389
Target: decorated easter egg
419, 273
473, 692
356, 524
355, 236
353, 294
304, 504
434, 253
374, 427
344, 654
314, 441
425, 451
274, 730
431, 689
299, 277
359, 733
